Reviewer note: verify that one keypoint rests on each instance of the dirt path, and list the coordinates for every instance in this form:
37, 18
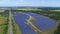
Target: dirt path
34, 27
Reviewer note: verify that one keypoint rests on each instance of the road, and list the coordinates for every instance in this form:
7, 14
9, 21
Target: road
10, 22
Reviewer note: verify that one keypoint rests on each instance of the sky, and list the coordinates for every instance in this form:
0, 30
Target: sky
43, 3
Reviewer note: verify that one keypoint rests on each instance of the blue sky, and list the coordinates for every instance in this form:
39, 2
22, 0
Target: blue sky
47, 3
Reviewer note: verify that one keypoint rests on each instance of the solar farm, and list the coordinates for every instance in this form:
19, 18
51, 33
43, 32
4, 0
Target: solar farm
35, 21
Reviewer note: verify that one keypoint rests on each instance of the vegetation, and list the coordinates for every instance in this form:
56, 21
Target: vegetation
58, 30
3, 22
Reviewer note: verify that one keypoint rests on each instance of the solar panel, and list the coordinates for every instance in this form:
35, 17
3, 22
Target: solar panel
42, 22
20, 19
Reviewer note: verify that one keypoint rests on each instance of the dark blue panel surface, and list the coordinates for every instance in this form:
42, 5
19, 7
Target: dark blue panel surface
20, 19
42, 22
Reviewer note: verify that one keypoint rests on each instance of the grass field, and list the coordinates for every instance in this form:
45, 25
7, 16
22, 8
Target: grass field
55, 10
3, 23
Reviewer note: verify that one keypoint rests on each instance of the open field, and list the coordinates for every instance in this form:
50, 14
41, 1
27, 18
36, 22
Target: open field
3, 23
55, 10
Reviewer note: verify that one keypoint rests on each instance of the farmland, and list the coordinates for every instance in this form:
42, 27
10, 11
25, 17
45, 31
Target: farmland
3, 22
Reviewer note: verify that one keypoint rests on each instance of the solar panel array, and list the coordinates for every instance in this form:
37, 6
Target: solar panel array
41, 22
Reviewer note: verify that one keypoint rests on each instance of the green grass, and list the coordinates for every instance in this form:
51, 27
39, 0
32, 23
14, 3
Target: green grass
55, 10
3, 23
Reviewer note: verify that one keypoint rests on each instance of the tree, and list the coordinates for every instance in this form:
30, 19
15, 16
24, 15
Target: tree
58, 29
